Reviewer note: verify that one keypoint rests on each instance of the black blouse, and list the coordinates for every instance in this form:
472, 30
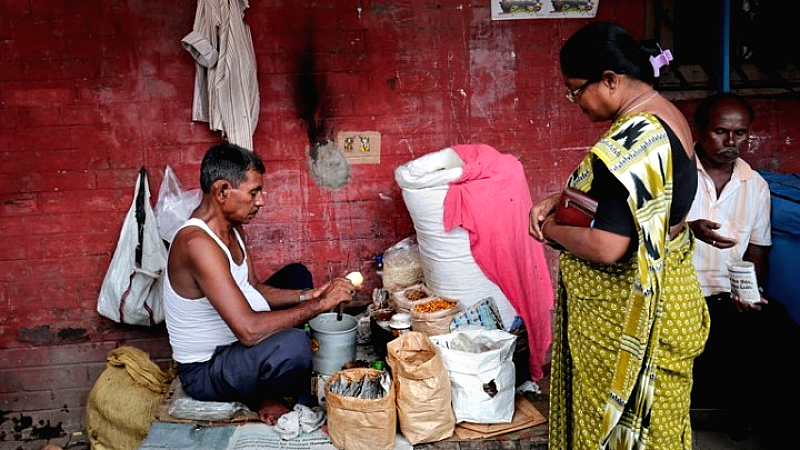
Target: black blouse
613, 213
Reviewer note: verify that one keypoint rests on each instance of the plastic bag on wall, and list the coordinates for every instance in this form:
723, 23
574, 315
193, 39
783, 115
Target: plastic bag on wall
174, 205
131, 290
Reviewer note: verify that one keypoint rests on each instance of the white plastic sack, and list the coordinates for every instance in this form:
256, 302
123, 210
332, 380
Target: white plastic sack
482, 374
131, 290
448, 266
174, 205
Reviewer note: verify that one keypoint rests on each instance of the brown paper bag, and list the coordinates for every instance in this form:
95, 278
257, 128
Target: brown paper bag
433, 323
423, 388
361, 424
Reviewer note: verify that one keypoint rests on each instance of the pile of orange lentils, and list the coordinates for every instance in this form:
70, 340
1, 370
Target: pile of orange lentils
438, 304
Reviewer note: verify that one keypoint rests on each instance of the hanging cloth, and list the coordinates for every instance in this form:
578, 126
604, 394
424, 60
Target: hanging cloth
225, 84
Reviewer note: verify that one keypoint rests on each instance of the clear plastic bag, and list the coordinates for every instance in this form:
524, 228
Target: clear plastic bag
405, 299
185, 407
402, 266
174, 205
483, 314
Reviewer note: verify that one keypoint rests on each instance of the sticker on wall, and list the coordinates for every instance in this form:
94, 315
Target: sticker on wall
543, 9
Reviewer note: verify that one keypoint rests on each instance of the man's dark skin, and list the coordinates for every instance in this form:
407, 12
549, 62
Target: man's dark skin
719, 143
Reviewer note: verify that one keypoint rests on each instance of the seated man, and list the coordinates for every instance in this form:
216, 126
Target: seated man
235, 339
731, 216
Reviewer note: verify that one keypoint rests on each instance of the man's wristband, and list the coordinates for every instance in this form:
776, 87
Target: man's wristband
303, 295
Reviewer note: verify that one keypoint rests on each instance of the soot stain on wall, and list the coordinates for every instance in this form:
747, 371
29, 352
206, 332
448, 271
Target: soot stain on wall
326, 162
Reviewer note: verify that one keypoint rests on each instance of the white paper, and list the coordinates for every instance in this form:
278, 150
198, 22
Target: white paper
260, 436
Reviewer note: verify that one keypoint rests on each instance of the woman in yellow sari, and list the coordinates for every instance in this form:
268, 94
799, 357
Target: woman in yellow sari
630, 315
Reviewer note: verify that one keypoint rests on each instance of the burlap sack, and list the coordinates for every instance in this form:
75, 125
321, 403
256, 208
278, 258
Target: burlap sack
361, 424
422, 385
124, 400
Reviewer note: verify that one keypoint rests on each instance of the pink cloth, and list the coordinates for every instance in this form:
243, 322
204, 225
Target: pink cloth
492, 202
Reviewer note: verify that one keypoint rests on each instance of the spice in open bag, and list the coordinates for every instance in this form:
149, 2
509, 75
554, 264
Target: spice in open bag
131, 289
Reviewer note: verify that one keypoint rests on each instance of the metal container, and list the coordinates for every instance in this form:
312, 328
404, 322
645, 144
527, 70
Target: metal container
333, 342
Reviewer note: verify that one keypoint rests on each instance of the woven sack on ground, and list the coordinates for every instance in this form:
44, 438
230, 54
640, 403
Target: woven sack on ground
124, 400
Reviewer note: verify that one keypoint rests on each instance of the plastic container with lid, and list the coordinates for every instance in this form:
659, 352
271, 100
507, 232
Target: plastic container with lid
400, 323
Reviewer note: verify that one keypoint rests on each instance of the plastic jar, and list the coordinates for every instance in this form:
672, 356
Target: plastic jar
400, 323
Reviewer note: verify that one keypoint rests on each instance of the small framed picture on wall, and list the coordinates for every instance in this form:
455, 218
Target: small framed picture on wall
543, 9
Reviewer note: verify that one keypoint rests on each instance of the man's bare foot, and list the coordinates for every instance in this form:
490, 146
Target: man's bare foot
271, 410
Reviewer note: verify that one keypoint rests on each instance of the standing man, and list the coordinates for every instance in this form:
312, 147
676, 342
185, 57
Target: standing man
235, 339
731, 216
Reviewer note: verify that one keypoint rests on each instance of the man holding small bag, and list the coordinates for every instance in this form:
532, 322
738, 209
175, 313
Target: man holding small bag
731, 215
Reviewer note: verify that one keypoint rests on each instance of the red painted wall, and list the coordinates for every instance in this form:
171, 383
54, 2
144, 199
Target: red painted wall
92, 90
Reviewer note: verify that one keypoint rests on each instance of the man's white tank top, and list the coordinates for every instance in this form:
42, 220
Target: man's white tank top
195, 328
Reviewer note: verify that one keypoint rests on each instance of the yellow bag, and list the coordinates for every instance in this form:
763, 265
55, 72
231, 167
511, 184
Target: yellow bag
124, 400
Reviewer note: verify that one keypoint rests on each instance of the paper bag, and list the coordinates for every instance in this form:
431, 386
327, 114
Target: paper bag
422, 386
435, 322
358, 423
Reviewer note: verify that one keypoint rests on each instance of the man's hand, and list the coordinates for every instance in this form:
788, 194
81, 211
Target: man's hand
539, 212
336, 291
744, 306
704, 230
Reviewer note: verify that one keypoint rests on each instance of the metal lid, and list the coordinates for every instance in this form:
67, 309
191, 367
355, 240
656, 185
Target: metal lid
400, 320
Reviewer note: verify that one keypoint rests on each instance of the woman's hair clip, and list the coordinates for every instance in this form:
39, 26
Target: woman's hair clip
660, 60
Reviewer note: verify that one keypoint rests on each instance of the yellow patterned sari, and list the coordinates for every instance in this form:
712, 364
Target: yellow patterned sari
626, 335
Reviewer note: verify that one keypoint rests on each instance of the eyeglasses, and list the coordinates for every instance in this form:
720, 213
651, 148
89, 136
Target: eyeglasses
572, 94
